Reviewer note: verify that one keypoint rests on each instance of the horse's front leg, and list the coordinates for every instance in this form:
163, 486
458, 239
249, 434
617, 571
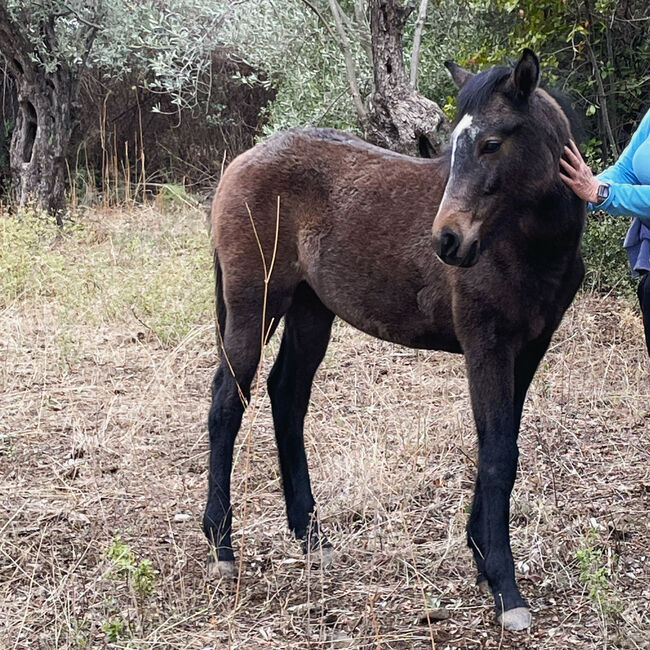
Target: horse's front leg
492, 387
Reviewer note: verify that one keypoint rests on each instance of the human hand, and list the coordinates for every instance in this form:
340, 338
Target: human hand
576, 174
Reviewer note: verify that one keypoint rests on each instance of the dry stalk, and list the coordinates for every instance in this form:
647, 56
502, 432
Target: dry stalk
255, 411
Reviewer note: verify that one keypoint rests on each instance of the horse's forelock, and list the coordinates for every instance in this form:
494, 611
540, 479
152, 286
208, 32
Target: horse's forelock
478, 90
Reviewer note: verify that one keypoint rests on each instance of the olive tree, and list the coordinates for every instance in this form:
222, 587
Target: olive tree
347, 63
47, 45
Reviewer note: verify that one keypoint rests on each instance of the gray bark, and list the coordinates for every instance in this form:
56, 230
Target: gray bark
44, 123
399, 118
40, 140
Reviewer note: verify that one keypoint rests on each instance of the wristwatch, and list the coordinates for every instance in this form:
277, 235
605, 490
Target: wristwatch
603, 193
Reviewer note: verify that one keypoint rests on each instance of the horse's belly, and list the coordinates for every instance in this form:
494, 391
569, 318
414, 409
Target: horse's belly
393, 315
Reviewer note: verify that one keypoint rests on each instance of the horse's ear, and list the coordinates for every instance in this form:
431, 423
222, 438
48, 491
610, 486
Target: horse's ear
525, 76
458, 73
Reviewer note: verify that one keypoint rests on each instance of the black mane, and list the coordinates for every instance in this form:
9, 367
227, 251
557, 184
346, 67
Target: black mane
477, 90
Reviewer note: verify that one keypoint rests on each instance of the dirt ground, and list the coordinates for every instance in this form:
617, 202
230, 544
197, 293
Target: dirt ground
102, 434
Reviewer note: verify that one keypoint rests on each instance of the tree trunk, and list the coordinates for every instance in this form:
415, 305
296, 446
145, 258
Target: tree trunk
40, 139
399, 118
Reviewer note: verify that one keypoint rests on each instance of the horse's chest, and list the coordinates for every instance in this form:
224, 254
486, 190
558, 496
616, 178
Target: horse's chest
521, 307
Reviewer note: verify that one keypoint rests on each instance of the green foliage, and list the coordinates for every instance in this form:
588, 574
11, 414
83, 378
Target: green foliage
61, 32
592, 50
314, 87
580, 44
141, 576
596, 574
115, 629
606, 265
174, 42
171, 43
301, 59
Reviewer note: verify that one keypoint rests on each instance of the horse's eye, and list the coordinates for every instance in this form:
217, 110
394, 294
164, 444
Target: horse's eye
491, 146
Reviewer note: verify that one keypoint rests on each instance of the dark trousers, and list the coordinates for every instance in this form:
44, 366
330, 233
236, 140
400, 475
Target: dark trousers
643, 291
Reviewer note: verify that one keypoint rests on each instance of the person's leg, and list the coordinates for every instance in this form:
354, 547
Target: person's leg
643, 291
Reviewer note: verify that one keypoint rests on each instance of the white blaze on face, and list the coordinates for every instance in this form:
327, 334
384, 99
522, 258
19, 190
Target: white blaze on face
466, 131
464, 125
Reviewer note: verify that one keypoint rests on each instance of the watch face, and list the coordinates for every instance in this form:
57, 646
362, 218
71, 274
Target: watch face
603, 192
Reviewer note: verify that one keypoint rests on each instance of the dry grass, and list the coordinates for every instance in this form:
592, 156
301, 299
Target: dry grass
102, 434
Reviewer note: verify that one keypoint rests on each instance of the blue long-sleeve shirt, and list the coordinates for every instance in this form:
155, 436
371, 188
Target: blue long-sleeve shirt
629, 194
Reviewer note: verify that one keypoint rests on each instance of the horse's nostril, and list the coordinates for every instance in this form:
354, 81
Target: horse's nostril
449, 243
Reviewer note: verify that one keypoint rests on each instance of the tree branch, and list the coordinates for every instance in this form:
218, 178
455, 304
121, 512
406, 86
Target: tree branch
344, 44
320, 17
364, 28
417, 39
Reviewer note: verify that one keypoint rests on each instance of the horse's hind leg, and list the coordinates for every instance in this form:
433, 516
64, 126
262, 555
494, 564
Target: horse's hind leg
304, 343
230, 396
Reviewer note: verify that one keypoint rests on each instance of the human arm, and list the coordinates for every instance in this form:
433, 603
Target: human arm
622, 171
627, 197
628, 200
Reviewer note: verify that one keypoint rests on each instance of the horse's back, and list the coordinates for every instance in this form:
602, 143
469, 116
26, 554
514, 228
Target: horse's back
350, 219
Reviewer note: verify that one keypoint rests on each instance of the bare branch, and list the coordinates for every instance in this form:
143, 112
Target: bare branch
320, 17
417, 39
344, 44
361, 17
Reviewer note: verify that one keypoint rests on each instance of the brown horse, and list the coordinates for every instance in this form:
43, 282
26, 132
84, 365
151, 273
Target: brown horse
475, 252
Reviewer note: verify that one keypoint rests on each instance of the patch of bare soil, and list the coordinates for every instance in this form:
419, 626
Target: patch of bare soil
114, 444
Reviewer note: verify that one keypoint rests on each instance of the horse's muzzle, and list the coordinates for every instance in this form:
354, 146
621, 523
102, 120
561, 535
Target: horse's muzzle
454, 250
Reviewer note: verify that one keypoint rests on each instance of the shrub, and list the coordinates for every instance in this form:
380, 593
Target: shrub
606, 264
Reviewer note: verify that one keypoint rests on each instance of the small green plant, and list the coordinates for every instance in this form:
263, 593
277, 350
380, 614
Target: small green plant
140, 579
115, 629
141, 576
596, 574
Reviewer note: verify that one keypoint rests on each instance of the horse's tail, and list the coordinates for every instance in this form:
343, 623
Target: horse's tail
220, 303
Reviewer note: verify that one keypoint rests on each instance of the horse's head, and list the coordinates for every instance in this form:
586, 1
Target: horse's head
504, 154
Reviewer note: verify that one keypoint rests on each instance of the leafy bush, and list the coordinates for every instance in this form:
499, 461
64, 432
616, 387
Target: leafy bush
606, 264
